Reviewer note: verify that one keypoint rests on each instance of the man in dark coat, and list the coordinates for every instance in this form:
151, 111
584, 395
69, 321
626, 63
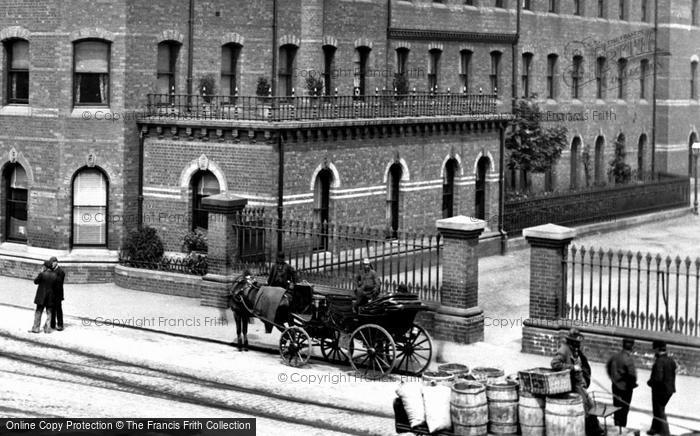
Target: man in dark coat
44, 298
623, 375
282, 274
663, 384
569, 356
366, 284
57, 312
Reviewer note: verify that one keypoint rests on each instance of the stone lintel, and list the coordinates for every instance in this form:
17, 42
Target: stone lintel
224, 203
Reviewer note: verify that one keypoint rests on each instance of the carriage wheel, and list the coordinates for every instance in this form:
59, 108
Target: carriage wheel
415, 349
372, 351
330, 349
295, 346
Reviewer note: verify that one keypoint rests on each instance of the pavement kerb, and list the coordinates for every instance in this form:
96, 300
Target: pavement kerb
216, 341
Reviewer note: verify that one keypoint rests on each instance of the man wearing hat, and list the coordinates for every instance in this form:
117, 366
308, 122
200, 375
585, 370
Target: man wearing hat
623, 375
366, 284
282, 274
663, 384
44, 298
57, 312
569, 356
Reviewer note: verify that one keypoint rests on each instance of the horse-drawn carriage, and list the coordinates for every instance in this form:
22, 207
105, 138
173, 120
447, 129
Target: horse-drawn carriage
376, 339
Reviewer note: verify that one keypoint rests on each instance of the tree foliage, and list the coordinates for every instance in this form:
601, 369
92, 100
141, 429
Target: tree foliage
533, 148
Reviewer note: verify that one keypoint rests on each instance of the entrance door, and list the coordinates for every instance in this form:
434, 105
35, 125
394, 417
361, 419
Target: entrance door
480, 194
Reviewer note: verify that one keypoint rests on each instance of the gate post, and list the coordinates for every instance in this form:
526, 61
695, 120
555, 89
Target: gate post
459, 318
549, 245
222, 246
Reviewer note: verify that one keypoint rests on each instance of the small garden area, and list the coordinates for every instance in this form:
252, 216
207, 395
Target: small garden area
144, 249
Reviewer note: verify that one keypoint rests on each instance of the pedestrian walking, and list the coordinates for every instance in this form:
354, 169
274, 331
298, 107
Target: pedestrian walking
623, 375
44, 298
663, 385
57, 312
570, 356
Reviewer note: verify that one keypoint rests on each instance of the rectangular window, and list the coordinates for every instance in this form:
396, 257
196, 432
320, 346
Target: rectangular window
643, 71
328, 66
285, 82
693, 80
165, 67
600, 78
495, 71
91, 73
499, 3
17, 55
622, 79
89, 199
361, 61
229, 69
623, 11
601, 8
525, 77
645, 16
553, 6
527, 5
576, 77
434, 70
577, 7
694, 12
551, 76
465, 69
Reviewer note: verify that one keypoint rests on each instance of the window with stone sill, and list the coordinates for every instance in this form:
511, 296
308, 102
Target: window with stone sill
91, 73
17, 67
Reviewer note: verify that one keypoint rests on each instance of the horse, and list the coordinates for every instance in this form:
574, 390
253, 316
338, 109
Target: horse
269, 303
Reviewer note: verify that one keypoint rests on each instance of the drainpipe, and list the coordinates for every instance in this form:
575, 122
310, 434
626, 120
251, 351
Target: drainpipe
139, 203
514, 52
273, 78
653, 104
190, 49
388, 83
501, 187
280, 189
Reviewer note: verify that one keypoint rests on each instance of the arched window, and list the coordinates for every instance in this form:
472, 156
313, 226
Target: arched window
17, 67
230, 54
576, 77
552, 76
16, 203
165, 67
495, 71
322, 203
694, 80
448, 188
525, 77
575, 153
393, 200
482, 167
622, 79
599, 161
401, 60
465, 61
204, 184
91, 73
285, 82
361, 62
328, 67
600, 73
692, 140
641, 149
434, 69
90, 208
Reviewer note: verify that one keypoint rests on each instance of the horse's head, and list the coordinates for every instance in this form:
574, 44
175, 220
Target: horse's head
241, 287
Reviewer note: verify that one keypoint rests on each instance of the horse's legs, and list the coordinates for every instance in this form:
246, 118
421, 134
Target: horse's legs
245, 333
238, 320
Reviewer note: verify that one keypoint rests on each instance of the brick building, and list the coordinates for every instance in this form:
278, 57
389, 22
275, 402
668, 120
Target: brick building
81, 164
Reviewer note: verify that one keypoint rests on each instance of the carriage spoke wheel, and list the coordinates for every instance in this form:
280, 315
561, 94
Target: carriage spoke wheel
330, 349
415, 350
295, 346
372, 351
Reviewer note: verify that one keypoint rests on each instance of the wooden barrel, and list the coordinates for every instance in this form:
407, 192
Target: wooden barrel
469, 409
564, 415
503, 407
531, 414
456, 369
484, 374
438, 378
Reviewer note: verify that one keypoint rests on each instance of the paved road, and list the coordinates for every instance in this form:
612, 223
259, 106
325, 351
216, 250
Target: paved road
129, 373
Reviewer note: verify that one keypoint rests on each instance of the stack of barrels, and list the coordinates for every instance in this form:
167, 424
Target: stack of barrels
551, 414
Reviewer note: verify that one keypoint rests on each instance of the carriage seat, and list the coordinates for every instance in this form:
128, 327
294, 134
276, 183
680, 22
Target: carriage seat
302, 295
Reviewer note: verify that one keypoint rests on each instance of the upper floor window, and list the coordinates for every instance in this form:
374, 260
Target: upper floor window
286, 69
693, 80
525, 78
165, 67
552, 76
401, 60
576, 76
91, 73
622, 79
495, 71
600, 72
527, 5
623, 10
578, 7
645, 13
328, 66
17, 57
469, 2
465, 60
230, 54
601, 8
552, 6
361, 63
694, 12
643, 72
499, 3
434, 69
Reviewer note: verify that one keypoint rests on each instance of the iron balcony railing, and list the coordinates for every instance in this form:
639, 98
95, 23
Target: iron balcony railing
295, 108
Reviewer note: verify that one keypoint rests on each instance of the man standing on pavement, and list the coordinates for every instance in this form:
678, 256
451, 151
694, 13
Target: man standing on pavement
663, 384
282, 274
366, 284
569, 356
57, 313
623, 375
44, 297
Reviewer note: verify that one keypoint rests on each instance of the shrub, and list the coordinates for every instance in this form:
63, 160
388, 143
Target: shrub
314, 85
262, 88
207, 86
144, 244
195, 241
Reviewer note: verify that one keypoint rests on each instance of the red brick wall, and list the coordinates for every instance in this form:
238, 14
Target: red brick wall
182, 285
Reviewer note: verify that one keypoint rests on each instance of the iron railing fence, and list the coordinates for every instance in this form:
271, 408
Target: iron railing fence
251, 108
193, 265
634, 290
665, 191
331, 254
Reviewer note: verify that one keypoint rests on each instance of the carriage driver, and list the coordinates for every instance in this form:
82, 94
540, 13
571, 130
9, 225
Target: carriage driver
366, 284
282, 274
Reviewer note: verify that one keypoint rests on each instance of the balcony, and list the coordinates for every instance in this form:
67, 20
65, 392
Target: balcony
312, 108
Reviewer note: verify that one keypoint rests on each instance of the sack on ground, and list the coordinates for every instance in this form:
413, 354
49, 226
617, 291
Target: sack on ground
411, 395
436, 400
